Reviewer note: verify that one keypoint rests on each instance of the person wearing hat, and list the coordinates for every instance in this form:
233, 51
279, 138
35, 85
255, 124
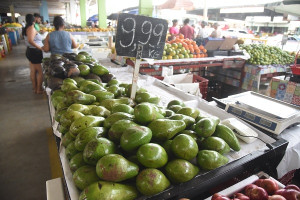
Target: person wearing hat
216, 33
37, 21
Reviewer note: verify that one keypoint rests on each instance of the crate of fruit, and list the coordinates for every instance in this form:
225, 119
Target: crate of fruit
258, 187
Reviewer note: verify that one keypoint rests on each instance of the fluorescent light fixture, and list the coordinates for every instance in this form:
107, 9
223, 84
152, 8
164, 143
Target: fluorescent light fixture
242, 10
16, 14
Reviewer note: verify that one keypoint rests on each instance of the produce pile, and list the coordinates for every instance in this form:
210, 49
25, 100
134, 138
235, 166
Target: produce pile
119, 148
12, 25
86, 29
263, 189
267, 55
180, 48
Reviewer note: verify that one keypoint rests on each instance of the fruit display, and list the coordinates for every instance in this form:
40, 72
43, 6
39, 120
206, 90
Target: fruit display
263, 189
180, 48
267, 55
86, 29
119, 148
12, 25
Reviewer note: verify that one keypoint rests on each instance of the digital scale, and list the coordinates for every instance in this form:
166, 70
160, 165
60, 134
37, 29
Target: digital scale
265, 112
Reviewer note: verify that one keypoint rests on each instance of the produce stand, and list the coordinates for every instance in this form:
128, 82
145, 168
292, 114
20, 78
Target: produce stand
260, 159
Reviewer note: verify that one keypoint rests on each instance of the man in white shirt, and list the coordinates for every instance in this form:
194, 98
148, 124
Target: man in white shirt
201, 33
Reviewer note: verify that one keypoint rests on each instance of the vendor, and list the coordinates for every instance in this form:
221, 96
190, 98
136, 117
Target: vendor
59, 41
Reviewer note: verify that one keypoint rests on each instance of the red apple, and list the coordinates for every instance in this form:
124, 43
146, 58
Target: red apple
289, 194
249, 188
241, 196
217, 196
276, 197
291, 186
258, 193
269, 185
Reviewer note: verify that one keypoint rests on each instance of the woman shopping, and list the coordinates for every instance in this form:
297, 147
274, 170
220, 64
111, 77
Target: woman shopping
59, 41
34, 54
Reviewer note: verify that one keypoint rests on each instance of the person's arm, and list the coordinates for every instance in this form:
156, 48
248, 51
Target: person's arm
31, 32
46, 46
74, 44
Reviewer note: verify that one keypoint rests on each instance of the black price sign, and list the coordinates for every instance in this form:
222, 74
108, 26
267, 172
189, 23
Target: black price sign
134, 30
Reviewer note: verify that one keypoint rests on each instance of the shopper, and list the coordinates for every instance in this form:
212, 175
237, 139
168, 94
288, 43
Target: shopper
201, 34
59, 41
187, 30
34, 54
37, 20
216, 32
174, 31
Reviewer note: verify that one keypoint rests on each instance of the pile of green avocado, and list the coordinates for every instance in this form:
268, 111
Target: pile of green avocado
119, 148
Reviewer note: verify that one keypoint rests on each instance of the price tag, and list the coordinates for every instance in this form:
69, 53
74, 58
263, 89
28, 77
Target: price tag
149, 32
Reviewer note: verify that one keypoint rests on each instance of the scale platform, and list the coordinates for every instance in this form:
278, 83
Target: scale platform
265, 112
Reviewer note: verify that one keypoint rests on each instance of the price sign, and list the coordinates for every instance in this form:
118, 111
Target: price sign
134, 30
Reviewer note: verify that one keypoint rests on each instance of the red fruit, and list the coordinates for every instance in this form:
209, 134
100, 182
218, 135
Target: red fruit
276, 197
258, 193
249, 188
241, 196
269, 185
291, 186
217, 196
289, 194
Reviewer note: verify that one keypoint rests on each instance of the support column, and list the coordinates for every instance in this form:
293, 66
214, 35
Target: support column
44, 10
102, 13
73, 8
83, 13
12, 11
205, 11
145, 8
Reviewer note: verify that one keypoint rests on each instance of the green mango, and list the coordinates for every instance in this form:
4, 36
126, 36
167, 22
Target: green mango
67, 139
99, 70
134, 137
76, 162
175, 102
67, 86
189, 121
71, 150
179, 170
96, 149
118, 128
109, 103
78, 79
58, 114
164, 129
90, 87
87, 135
184, 146
146, 97
80, 108
110, 120
112, 82
206, 127
224, 132
192, 112
85, 122
151, 181
209, 159
99, 111
69, 117
84, 176
216, 144
122, 108
152, 155
116, 168
145, 113
76, 96
175, 108
169, 113
101, 95
103, 190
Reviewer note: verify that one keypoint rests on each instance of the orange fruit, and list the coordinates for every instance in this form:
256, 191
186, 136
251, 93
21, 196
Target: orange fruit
192, 50
201, 47
204, 50
181, 36
194, 43
194, 56
198, 56
197, 51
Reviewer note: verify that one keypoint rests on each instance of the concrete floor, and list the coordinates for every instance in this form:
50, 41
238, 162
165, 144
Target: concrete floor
24, 118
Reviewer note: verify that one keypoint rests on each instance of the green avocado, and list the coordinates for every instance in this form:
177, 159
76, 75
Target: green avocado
116, 168
152, 155
122, 108
175, 108
103, 190
66, 139
87, 135
77, 96
146, 97
192, 112
179, 170
209, 159
85, 122
90, 87
206, 127
67, 86
76, 162
145, 113
100, 70
69, 117
175, 102
58, 114
216, 144
134, 137
80, 108
71, 150
84, 176
109, 103
189, 121
118, 128
113, 118
151, 181
224, 132
101, 95
99, 111
184, 146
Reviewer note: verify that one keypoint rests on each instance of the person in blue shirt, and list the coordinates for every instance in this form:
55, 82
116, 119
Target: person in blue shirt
59, 41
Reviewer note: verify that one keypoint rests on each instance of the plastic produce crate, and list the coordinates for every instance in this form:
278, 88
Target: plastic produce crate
203, 82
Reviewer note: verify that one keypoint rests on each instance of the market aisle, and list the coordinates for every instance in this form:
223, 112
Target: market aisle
24, 118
